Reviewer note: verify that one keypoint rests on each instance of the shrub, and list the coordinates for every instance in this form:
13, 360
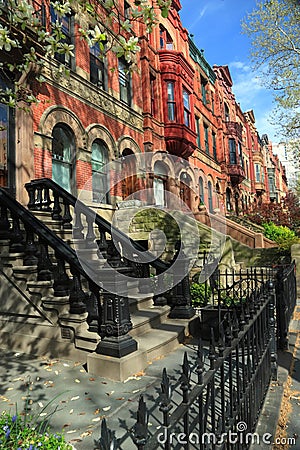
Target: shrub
200, 294
280, 234
19, 432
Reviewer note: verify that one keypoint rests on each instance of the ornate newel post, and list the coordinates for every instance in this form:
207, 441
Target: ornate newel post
116, 323
180, 299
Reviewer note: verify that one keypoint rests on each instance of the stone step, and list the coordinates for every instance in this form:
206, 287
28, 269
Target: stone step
136, 304
162, 339
144, 320
45, 217
27, 273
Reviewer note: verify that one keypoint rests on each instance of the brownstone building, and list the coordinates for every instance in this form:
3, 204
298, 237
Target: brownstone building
174, 104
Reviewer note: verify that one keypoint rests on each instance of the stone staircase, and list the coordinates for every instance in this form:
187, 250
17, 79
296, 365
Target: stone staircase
34, 319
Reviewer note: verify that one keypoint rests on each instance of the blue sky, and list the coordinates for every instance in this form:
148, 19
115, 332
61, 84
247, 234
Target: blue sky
216, 25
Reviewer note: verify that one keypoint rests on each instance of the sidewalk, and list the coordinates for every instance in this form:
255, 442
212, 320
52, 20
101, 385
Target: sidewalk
281, 410
80, 400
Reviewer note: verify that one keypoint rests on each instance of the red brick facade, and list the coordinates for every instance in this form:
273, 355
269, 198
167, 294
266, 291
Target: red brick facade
174, 104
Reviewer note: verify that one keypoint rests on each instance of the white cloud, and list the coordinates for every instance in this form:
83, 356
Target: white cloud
246, 85
199, 17
250, 94
240, 65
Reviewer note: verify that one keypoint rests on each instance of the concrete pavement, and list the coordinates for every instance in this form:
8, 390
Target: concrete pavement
78, 400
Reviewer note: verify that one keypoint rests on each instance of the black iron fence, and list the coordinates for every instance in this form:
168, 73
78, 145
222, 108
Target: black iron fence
220, 395
286, 295
224, 291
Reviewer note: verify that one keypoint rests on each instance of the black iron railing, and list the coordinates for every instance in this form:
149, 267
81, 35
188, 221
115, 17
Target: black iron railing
46, 195
57, 261
219, 397
60, 204
286, 296
225, 290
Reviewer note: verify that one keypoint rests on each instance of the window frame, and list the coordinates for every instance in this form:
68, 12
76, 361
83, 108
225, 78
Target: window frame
99, 66
171, 102
203, 82
206, 138
186, 108
197, 122
214, 144
257, 173
105, 199
232, 151
165, 39
69, 37
124, 82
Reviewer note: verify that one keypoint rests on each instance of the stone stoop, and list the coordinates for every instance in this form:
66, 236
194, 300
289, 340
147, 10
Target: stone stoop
41, 323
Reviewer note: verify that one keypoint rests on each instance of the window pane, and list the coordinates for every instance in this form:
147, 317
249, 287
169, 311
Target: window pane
171, 102
210, 200
171, 91
96, 71
99, 175
61, 144
186, 100
124, 82
201, 190
159, 191
61, 174
232, 151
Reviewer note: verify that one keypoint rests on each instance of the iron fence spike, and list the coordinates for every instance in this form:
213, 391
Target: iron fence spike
107, 441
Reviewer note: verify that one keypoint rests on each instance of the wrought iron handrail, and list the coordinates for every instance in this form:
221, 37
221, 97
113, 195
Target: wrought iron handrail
36, 253
41, 230
38, 202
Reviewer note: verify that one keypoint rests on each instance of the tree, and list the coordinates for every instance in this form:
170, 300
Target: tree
27, 39
274, 31
286, 213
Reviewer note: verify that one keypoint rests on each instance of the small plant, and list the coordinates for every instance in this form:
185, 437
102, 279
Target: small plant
20, 432
200, 294
280, 234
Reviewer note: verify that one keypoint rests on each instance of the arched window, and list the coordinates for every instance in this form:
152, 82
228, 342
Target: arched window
185, 190
7, 143
165, 40
201, 191
63, 157
129, 173
228, 199
210, 197
100, 182
159, 183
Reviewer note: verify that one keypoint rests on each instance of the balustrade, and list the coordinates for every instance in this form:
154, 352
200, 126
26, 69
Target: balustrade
36, 240
92, 229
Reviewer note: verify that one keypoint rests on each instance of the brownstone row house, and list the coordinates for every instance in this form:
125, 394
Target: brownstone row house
174, 104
